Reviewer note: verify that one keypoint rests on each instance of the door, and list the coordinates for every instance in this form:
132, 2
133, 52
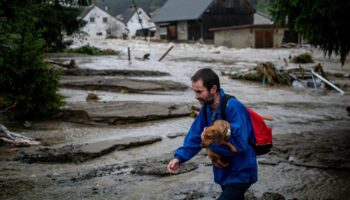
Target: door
263, 39
172, 32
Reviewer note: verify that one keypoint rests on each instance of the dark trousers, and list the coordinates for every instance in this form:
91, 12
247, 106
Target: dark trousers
234, 191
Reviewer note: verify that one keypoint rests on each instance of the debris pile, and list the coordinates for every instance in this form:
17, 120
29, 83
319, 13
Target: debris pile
299, 77
263, 72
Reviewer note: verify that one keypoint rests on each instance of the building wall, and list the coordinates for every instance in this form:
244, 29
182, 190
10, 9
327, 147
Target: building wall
241, 38
224, 14
102, 25
245, 38
134, 24
278, 37
219, 14
157, 34
182, 30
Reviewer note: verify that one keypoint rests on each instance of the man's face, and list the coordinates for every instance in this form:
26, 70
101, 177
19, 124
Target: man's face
202, 94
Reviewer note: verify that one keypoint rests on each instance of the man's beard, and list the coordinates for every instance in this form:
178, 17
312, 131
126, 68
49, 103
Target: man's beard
208, 102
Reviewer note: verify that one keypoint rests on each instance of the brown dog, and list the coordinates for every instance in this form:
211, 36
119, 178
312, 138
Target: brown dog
217, 133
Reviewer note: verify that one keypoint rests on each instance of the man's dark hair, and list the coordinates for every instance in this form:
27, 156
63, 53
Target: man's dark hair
209, 78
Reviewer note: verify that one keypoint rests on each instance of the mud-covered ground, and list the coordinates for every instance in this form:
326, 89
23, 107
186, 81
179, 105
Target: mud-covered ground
310, 158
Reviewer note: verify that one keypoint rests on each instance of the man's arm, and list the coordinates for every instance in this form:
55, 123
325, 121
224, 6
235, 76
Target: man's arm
192, 142
191, 145
238, 117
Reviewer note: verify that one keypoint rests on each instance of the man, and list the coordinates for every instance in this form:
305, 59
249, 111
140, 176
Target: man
242, 170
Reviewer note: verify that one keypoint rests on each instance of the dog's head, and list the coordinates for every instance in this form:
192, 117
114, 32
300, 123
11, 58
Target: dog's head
212, 135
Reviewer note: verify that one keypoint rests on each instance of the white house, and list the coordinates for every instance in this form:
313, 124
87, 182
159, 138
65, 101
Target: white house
100, 24
137, 23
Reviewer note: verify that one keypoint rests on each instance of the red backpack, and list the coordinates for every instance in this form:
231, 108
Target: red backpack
262, 133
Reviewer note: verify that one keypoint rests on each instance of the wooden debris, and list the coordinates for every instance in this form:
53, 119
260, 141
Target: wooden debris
270, 75
16, 139
8, 108
129, 55
166, 53
71, 65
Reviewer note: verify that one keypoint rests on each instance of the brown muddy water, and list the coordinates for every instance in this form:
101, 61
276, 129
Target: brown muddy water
311, 133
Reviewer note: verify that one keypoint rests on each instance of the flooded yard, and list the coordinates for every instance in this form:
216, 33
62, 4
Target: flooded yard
311, 130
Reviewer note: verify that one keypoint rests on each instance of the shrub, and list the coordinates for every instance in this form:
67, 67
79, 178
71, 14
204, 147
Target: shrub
303, 58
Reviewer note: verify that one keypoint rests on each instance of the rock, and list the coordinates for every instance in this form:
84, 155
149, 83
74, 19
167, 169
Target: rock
120, 84
157, 166
73, 115
121, 112
113, 72
92, 97
160, 169
82, 153
174, 135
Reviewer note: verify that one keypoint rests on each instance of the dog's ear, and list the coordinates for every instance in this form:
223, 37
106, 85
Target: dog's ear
226, 129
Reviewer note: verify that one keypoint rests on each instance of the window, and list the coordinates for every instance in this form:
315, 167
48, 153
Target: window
163, 31
140, 21
105, 20
92, 19
99, 33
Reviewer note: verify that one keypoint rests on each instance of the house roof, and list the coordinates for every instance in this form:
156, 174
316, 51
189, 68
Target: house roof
261, 18
128, 13
86, 11
178, 10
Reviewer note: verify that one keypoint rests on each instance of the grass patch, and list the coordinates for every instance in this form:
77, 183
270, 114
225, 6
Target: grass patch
91, 50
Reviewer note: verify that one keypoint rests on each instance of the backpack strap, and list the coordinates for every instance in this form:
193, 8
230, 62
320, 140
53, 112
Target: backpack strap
223, 106
205, 113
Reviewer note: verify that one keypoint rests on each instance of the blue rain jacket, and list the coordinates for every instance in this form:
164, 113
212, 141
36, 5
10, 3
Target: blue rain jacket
242, 164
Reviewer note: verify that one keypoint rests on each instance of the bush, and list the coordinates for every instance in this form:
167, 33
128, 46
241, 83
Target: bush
303, 58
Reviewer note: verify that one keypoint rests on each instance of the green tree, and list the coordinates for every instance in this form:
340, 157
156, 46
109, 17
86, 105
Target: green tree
25, 79
322, 22
55, 18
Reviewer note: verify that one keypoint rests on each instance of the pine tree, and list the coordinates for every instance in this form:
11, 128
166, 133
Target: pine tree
25, 79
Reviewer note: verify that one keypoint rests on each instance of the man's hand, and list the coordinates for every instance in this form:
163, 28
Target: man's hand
173, 166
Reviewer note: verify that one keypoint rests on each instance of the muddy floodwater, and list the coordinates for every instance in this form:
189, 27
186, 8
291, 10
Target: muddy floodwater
311, 130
